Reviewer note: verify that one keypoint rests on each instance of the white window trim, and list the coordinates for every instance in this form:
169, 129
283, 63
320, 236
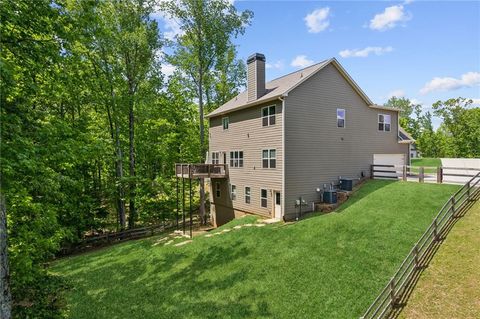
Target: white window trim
344, 118
269, 115
378, 122
228, 123
232, 193
245, 195
266, 198
238, 159
216, 159
269, 158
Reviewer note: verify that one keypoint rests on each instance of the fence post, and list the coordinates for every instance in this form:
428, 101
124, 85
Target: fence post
415, 256
421, 175
439, 172
435, 232
371, 171
468, 190
404, 172
392, 291
452, 200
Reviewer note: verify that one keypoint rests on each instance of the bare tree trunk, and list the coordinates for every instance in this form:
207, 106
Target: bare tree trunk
132, 184
203, 218
119, 173
5, 295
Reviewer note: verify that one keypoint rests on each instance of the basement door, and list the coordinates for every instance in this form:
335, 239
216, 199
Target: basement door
278, 205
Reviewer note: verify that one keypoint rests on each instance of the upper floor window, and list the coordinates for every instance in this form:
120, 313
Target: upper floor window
215, 157
269, 158
247, 195
233, 192
225, 122
268, 115
384, 122
340, 117
263, 197
236, 159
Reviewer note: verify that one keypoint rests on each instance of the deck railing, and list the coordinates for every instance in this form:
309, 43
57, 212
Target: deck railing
201, 170
398, 286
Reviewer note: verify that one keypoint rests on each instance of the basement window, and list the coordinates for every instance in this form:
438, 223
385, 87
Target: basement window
384, 122
217, 190
233, 192
236, 159
268, 115
269, 158
247, 195
225, 123
340, 117
263, 197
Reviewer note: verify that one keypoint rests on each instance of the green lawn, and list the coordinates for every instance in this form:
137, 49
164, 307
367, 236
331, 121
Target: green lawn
326, 266
431, 162
449, 286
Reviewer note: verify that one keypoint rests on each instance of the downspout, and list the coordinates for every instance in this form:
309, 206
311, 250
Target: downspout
282, 98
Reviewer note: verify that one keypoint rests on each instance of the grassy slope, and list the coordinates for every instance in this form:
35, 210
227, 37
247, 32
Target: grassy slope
449, 286
325, 266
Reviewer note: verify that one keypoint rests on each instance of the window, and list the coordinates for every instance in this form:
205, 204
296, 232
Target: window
215, 157
225, 123
236, 159
247, 195
217, 189
340, 118
384, 122
269, 158
268, 115
263, 197
233, 193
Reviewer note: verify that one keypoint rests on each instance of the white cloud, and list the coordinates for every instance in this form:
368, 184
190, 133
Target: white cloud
317, 20
396, 93
363, 53
171, 28
168, 69
276, 65
389, 18
301, 61
469, 79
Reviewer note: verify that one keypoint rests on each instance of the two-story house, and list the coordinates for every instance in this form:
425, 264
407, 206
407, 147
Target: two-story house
284, 139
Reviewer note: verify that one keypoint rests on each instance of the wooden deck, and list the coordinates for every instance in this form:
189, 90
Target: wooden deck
201, 170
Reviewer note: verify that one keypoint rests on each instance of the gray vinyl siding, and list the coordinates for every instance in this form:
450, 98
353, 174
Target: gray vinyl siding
247, 134
316, 151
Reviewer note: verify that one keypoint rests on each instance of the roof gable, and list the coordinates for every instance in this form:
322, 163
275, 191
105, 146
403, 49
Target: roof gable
283, 85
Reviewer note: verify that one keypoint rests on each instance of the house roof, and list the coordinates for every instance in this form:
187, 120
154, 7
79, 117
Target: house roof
404, 136
283, 85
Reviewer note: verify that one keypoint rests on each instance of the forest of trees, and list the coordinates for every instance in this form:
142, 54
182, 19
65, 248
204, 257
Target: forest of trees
457, 136
91, 128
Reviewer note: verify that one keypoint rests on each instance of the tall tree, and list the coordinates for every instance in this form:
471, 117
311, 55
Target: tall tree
409, 114
5, 294
208, 27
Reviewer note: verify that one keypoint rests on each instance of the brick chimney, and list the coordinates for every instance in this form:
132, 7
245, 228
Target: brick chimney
255, 76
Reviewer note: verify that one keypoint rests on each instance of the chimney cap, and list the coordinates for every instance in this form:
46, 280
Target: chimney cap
256, 56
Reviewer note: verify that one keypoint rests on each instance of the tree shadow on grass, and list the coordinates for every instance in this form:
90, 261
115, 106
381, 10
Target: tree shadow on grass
174, 284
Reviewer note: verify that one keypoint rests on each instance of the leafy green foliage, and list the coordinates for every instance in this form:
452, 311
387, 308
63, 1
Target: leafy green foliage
90, 129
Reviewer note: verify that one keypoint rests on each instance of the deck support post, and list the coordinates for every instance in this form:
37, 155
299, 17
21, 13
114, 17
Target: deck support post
190, 198
183, 206
178, 199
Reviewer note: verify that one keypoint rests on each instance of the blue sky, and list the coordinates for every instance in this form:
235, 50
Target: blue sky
423, 50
